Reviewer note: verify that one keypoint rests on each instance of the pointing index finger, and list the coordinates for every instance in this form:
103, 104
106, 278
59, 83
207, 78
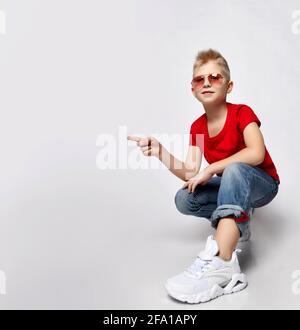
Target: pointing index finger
133, 138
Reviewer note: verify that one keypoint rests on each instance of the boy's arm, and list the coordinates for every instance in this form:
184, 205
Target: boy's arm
183, 170
253, 154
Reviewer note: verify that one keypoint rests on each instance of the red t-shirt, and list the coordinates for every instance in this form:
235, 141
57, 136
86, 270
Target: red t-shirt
230, 139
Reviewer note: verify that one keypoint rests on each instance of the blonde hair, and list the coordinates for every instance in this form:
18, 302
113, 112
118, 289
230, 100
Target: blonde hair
205, 56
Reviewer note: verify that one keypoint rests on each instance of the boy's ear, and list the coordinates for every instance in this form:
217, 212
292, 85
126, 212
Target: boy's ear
230, 87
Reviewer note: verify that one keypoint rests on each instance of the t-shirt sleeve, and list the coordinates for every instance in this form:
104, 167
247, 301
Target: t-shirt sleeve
245, 117
192, 140
196, 137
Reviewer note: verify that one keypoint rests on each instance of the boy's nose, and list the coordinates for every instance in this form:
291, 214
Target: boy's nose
206, 82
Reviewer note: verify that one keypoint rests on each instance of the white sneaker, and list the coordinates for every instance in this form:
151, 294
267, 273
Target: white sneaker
208, 277
247, 233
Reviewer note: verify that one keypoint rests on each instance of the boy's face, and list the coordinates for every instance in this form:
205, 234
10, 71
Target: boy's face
218, 91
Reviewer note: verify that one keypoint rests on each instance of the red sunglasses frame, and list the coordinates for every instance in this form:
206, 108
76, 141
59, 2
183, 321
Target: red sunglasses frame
211, 78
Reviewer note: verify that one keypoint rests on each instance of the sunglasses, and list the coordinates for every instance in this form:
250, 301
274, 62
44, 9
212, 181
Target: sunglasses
215, 80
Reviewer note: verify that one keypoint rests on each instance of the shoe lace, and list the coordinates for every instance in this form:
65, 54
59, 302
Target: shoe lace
199, 266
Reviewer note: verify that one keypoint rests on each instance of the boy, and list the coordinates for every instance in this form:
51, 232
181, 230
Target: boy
246, 178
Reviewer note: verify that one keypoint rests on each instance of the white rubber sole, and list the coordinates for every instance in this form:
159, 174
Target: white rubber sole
237, 283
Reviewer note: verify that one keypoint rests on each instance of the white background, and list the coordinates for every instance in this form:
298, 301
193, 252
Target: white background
74, 236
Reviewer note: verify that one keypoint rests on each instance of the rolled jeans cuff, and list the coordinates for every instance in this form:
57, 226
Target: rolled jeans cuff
225, 210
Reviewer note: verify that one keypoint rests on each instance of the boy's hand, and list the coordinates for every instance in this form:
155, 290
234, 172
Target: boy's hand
201, 178
148, 145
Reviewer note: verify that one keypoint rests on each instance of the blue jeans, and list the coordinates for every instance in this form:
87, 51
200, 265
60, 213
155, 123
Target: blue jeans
240, 188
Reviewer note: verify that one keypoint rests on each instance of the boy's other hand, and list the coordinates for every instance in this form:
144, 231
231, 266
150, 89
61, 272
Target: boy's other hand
150, 146
201, 178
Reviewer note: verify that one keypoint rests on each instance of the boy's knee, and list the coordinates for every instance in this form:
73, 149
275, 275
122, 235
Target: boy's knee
182, 201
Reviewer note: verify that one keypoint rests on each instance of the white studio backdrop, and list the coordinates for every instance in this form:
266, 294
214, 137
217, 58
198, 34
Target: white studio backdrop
73, 235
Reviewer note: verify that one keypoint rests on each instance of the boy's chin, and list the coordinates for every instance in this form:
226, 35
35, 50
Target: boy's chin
211, 101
